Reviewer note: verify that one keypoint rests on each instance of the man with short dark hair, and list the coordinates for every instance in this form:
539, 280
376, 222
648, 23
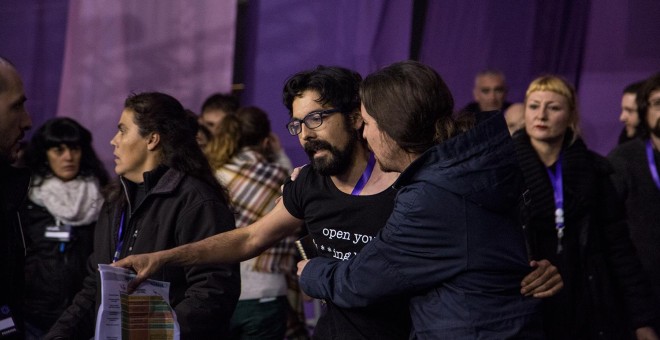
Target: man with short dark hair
14, 121
344, 198
216, 107
629, 116
329, 197
637, 181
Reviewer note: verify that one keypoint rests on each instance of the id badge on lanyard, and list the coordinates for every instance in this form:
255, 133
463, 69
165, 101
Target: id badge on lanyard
7, 325
58, 232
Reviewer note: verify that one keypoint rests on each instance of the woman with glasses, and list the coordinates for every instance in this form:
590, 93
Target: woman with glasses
58, 220
575, 221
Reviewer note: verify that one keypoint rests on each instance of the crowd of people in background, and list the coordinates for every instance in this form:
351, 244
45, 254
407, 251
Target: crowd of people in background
495, 220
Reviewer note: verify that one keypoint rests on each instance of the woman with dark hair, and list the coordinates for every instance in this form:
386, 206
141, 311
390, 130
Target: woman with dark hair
167, 196
64, 203
575, 221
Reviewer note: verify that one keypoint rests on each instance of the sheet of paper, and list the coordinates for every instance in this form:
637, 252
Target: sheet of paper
144, 314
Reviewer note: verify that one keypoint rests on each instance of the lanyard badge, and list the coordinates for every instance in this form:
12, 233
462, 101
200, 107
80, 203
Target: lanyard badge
120, 238
365, 176
7, 325
556, 179
652, 167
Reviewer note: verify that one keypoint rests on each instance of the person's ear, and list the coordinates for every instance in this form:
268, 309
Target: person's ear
153, 141
357, 120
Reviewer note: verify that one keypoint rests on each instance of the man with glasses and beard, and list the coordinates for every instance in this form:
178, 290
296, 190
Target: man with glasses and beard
344, 199
330, 197
636, 179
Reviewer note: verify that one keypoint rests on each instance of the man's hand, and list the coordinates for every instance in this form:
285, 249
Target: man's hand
545, 281
296, 172
646, 333
144, 265
301, 266
294, 175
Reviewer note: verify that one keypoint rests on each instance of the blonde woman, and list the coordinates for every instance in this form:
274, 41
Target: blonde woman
575, 222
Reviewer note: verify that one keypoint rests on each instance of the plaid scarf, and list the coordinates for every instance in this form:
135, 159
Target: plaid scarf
254, 186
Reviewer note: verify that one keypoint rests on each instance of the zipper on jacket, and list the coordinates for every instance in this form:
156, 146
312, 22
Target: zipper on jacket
123, 253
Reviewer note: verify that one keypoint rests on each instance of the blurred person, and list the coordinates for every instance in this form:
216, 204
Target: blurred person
14, 183
462, 275
275, 152
203, 136
636, 179
489, 92
219, 105
515, 117
167, 196
215, 108
239, 156
58, 219
575, 221
323, 104
629, 116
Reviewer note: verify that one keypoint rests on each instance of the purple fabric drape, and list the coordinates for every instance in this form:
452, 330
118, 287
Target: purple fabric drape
599, 45
288, 36
117, 47
621, 48
521, 38
32, 35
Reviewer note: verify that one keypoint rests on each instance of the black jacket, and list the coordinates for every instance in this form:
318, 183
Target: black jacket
634, 183
14, 185
54, 271
606, 294
177, 209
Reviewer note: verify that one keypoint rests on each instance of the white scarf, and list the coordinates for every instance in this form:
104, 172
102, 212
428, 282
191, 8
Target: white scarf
76, 202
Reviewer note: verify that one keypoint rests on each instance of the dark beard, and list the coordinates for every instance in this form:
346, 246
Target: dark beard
338, 161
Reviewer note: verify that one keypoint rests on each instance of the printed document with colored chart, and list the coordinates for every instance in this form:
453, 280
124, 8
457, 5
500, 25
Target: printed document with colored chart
144, 314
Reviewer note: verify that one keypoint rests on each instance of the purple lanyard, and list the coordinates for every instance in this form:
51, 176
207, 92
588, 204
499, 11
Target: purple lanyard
556, 179
365, 176
120, 239
654, 170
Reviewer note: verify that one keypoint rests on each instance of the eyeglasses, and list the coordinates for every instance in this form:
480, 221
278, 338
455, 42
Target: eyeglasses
312, 120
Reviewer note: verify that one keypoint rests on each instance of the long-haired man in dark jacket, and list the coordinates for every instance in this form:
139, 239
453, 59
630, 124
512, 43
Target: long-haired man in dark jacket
453, 242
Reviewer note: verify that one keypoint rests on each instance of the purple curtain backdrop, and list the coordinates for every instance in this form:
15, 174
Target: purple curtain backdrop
32, 35
521, 38
293, 35
621, 48
114, 48
601, 46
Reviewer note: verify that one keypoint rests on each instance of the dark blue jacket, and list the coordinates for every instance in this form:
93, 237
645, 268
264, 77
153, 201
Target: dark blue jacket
453, 244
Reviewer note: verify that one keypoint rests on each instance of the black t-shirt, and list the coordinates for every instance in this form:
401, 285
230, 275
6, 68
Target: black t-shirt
340, 225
